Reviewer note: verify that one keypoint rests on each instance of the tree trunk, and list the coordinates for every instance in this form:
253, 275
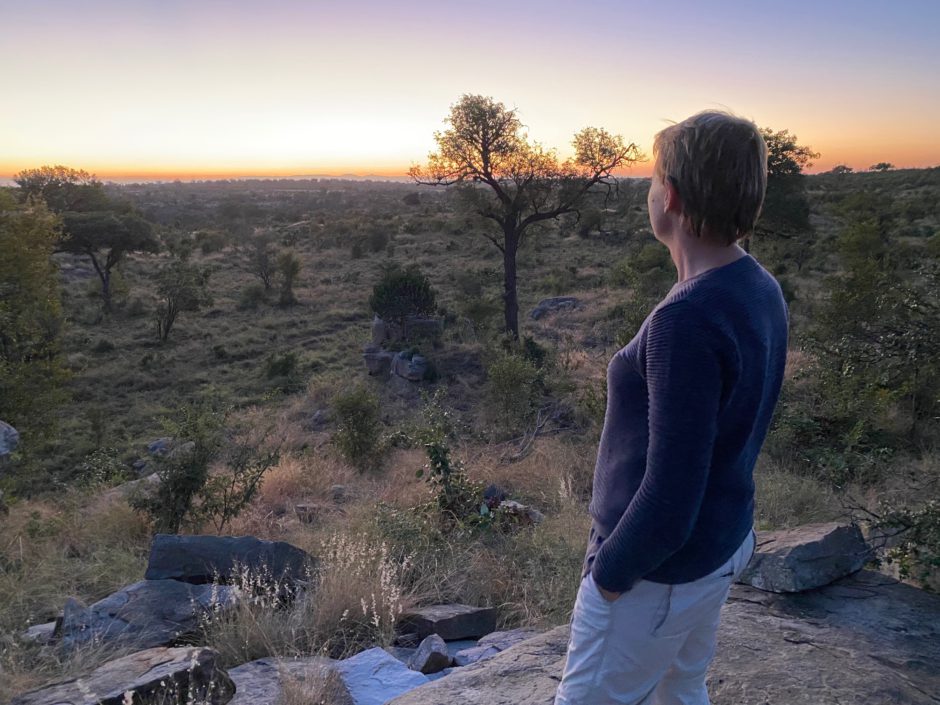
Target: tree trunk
510, 297
104, 273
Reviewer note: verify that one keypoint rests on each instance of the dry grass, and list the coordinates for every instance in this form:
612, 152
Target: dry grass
784, 499
317, 687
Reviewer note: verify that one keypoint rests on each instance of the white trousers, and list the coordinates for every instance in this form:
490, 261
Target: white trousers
652, 645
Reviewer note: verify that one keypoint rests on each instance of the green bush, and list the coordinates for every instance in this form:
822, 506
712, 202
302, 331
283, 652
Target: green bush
511, 389
251, 297
401, 293
358, 435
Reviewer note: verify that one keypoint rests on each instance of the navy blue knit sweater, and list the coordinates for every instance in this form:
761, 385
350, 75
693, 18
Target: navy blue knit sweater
689, 402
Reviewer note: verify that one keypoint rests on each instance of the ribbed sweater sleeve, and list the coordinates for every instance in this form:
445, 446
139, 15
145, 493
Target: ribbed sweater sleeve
684, 381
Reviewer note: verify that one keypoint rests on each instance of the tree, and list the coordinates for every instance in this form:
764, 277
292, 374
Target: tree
181, 287
94, 225
106, 238
881, 166
841, 169
402, 293
785, 215
288, 267
259, 259
62, 188
31, 366
513, 182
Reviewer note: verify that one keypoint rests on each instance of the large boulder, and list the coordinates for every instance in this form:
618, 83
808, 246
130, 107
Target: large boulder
866, 640
146, 614
205, 559
9, 438
179, 675
806, 557
449, 621
263, 682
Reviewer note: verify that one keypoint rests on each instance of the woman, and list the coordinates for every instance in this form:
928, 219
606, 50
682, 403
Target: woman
689, 403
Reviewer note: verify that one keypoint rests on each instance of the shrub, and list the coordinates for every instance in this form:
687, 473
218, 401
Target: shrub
251, 297
288, 267
510, 389
401, 293
357, 438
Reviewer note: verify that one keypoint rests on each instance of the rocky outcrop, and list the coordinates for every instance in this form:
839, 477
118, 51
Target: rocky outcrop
179, 675
806, 557
205, 559
449, 621
865, 639
378, 361
143, 615
553, 305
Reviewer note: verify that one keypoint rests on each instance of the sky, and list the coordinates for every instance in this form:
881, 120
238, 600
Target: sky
202, 89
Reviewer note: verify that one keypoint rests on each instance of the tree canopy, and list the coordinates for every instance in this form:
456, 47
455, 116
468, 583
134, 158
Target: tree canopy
514, 182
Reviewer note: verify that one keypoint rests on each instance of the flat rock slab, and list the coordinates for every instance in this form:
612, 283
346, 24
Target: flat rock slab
492, 644
865, 640
262, 682
143, 615
373, 677
806, 557
170, 676
449, 621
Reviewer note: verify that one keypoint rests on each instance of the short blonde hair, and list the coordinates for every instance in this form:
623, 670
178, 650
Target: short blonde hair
718, 164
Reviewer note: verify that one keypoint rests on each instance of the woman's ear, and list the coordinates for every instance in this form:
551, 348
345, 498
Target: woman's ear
671, 201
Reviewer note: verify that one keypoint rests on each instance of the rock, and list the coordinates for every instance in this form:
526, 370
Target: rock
141, 467
378, 362
552, 305
126, 490
185, 674
143, 615
457, 645
402, 653
339, 493
413, 370
492, 644
449, 621
379, 331
39, 633
160, 446
373, 677
262, 682
525, 515
420, 327
307, 512
9, 438
865, 639
431, 656
204, 559
806, 557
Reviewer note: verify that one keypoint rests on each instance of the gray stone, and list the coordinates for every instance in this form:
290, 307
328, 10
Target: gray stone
308, 512
373, 677
378, 362
144, 486
806, 557
379, 331
204, 559
153, 676
866, 640
403, 653
262, 682
143, 615
160, 446
552, 305
492, 644
449, 621
9, 438
431, 656
522, 513
413, 370
339, 493
39, 633
455, 646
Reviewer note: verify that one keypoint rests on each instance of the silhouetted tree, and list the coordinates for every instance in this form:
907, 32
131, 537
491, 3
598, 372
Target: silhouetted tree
841, 169
881, 166
514, 182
